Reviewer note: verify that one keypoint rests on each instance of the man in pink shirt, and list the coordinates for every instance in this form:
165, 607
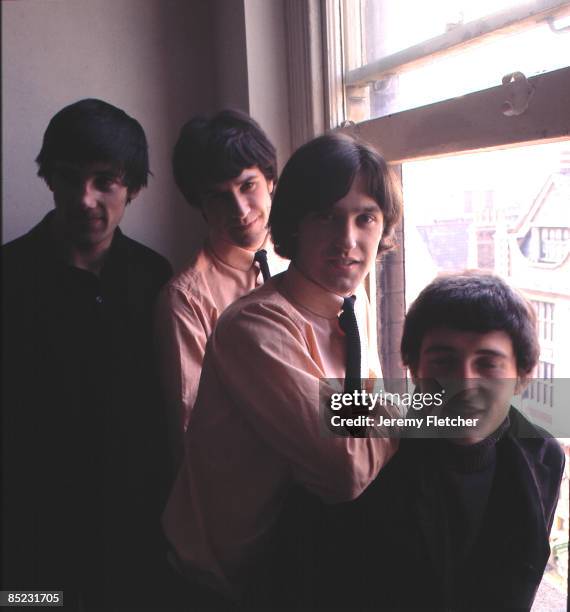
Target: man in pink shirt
225, 166
257, 429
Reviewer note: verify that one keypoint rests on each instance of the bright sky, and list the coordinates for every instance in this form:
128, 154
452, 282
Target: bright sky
432, 187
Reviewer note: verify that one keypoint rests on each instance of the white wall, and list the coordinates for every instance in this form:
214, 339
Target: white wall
152, 58
251, 60
267, 71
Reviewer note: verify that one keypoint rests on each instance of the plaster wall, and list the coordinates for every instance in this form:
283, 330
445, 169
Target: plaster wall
152, 58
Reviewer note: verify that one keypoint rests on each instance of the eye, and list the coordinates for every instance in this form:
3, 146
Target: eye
105, 182
366, 219
490, 365
248, 186
215, 197
69, 176
443, 362
323, 216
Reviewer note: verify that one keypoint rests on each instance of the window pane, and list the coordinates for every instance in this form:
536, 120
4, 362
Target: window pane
491, 211
389, 27
507, 212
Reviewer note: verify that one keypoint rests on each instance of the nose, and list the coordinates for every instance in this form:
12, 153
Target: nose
88, 194
345, 235
469, 373
239, 205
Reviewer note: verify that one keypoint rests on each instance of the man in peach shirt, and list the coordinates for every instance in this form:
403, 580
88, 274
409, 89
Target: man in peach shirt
225, 166
257, 429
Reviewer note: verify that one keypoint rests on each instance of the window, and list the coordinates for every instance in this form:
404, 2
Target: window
486, 176
554, 243
469, 103
539, 395
402, 54
545, 315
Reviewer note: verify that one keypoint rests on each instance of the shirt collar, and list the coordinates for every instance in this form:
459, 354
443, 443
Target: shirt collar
232, 255
311, 296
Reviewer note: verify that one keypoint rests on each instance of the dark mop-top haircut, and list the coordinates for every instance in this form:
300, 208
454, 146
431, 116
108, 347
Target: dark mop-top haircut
477, 302
214, 150
318, 175
90, 131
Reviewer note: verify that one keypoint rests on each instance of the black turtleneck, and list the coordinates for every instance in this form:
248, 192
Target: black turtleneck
467, 473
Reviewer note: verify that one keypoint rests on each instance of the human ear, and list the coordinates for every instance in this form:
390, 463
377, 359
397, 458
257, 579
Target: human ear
522, 383
132, 195
413, 374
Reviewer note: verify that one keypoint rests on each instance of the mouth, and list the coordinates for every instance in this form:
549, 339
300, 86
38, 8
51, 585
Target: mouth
466, 404
465, 410
244, 227
344, 263
88, 221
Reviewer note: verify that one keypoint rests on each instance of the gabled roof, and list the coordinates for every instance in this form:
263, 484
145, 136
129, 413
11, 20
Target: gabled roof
550, 208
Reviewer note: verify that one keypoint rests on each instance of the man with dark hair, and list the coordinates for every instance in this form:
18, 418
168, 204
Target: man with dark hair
257, 431
471, 506
227, 168
84, 437
477, 303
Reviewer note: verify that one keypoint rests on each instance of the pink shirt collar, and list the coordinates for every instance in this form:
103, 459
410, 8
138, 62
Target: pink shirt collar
232, 255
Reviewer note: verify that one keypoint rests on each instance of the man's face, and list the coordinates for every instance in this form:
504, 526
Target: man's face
478, 372
90, 202
337, 247
237, 210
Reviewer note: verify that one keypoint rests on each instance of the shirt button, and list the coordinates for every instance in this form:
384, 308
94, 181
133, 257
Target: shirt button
99, 299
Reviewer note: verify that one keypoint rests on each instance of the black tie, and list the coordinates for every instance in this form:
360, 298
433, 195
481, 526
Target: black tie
349, 325
352, 381
261, 258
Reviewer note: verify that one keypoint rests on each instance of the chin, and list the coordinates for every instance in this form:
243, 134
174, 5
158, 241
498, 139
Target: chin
85, 239
345, 286
244, 243
252, 242
342, 289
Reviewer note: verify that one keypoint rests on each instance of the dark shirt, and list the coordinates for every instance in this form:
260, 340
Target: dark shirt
447, 529
85, 461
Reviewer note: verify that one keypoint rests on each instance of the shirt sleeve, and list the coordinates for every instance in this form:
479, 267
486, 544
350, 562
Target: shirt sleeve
182, 330
265, 360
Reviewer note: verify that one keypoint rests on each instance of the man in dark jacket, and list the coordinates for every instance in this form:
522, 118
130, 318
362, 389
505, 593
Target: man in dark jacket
460, 518
84, 465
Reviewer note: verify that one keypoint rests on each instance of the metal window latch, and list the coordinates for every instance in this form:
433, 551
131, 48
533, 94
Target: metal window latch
519, 92
352, 128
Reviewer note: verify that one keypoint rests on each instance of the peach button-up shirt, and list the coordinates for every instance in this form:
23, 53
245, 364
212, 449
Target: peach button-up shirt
256, 429
188, 308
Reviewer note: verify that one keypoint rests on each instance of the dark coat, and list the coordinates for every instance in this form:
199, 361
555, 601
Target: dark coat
84, 461
391, 549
